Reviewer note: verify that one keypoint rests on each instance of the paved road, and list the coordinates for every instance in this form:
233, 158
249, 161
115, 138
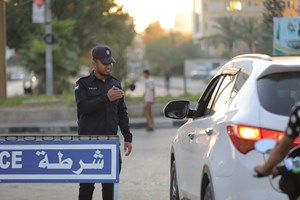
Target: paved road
145, 174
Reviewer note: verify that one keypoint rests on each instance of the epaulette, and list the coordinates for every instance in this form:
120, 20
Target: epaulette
84, 77
114, 78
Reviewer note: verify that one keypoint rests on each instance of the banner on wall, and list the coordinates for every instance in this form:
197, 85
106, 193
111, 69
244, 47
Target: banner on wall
286, 36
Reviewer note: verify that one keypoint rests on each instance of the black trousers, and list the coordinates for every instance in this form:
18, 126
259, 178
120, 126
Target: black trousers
86, 189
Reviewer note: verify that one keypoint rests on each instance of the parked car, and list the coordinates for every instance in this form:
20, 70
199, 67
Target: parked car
212, 155
213, 72
199, 74
13, 76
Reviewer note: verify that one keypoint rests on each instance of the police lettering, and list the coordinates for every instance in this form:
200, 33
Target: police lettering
10, 159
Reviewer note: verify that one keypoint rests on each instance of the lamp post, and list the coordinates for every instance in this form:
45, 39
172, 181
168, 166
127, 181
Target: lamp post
48, 40
2, 51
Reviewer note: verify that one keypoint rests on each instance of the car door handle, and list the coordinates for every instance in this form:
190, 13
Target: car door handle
191, 136
209, 131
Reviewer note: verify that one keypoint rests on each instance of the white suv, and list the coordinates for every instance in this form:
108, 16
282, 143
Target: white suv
212, 154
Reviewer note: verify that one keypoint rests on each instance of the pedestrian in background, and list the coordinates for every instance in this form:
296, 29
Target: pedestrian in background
149, 98
167, 80
101, 109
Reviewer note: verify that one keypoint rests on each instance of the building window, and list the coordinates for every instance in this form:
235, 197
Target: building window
234, 5
292, 4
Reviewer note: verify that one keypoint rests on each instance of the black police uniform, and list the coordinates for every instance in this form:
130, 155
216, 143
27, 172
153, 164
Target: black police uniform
98, 116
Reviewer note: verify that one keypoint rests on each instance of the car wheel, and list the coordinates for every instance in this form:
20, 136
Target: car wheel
208, 195
174, 195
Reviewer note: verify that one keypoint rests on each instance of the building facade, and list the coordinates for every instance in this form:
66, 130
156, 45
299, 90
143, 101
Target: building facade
205, 12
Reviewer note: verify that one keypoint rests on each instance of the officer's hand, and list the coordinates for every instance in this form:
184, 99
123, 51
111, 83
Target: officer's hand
127, 148
115, 93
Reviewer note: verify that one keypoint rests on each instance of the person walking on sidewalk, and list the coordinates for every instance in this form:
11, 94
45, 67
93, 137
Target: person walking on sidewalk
149, 98
101, 109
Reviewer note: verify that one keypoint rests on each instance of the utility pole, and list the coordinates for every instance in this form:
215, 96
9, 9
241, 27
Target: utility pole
2, 51
48, 40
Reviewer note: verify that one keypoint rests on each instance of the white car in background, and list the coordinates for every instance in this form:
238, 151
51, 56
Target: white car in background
199, 74
212, 155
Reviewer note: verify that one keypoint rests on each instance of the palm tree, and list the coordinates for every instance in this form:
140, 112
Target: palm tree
272, 8
226, 34
249, 32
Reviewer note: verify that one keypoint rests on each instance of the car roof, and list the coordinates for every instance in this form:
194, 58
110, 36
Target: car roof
264, 64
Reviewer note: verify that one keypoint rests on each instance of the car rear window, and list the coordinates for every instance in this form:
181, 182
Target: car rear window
279, 92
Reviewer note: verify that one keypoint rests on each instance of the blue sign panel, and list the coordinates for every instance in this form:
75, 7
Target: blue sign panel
59, 161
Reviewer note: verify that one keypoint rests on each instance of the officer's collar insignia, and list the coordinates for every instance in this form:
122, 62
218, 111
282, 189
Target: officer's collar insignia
76, 87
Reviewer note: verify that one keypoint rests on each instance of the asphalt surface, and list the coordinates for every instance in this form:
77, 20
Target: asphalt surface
145, 173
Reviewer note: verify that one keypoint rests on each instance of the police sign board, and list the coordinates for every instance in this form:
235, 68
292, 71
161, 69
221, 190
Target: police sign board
59, 161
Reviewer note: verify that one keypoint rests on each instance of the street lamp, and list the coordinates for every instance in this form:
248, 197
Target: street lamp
2, 50
48, 40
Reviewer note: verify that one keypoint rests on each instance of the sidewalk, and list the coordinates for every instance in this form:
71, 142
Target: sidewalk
38, 118
71, 126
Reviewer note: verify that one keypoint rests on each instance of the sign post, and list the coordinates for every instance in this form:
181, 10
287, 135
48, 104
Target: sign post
60, 159
2, 51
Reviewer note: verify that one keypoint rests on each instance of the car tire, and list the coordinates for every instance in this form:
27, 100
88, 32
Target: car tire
174, 194
208, 194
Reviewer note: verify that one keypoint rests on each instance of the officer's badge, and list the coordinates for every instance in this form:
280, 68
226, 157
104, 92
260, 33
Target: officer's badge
77, 87
107, 52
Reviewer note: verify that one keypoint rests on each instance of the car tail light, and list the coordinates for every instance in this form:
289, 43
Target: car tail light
243, 137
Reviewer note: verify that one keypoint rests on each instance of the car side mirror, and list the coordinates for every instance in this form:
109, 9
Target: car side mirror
177, 109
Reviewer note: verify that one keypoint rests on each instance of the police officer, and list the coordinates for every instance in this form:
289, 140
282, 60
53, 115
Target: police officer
101, 109
283, 146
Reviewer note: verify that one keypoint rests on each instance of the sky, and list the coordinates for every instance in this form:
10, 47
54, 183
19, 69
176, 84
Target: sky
146, 12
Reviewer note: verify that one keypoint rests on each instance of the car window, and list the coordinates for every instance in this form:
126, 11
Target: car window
213, 96
279, 92
223, 93
240, 80
202, 107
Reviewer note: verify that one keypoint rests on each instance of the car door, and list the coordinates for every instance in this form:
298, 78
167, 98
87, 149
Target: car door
200, 131
190, 134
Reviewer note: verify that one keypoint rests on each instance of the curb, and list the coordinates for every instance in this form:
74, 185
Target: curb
67, 127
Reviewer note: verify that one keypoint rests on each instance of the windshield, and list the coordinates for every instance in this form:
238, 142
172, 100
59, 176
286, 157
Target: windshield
279, 92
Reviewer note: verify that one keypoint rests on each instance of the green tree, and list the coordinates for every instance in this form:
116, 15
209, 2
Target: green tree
93, 22
98, 22
153, 32
65, 57
167, 51
249, 32
226, 34
20, 29
272, 8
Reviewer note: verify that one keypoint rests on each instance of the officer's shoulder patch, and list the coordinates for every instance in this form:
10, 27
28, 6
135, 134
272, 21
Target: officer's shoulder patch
82, 79
77, 86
